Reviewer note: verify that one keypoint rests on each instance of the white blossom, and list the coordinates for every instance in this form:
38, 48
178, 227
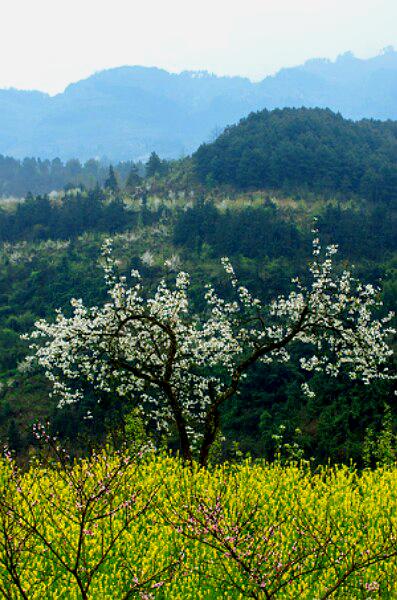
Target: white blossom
173, 263
180, 366
148, 258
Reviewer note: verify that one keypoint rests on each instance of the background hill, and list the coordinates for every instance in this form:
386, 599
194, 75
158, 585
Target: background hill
312, 149
126, 112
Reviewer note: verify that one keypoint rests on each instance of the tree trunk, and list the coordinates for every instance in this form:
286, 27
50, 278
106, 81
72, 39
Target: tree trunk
211, 429
180, 424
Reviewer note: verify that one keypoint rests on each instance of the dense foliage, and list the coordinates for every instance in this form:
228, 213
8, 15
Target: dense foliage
304, 149
269, 243
114, 526
261, 231
68, 215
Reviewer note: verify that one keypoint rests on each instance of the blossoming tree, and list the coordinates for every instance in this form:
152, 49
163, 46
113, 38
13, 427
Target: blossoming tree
182, 367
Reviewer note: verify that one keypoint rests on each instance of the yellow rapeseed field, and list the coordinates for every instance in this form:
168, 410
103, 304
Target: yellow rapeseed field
116, 527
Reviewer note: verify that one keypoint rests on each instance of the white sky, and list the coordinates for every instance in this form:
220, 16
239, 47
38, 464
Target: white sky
46, 44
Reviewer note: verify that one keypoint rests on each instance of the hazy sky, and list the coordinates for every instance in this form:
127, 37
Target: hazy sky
46, 44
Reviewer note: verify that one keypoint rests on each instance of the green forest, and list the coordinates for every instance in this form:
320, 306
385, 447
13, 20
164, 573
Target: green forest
41, 176
311, 149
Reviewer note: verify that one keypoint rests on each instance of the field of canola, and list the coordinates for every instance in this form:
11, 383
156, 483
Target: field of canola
113, 527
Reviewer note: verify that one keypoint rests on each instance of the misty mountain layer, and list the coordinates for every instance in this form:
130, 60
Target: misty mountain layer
126, 112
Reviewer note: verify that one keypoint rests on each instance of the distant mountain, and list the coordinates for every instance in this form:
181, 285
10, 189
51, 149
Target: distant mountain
126, 112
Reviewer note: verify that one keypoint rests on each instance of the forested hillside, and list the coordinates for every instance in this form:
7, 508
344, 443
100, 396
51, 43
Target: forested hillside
296, 150
308, 149
52, 254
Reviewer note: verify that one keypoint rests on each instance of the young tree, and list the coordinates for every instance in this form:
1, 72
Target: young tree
182, 367
73, 519
273, 542
111, 181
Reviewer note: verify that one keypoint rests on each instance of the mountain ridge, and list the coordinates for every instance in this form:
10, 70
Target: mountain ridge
126, 112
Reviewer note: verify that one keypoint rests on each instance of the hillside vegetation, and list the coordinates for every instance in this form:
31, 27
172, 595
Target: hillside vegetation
314, 149
18, 177
52, 255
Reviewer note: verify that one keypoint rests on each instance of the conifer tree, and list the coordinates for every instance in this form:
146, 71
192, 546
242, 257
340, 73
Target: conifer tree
133, 179
111, 181
154, 165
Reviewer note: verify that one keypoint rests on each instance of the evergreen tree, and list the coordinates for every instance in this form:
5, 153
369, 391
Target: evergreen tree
111, 181
133, 179
154, 165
